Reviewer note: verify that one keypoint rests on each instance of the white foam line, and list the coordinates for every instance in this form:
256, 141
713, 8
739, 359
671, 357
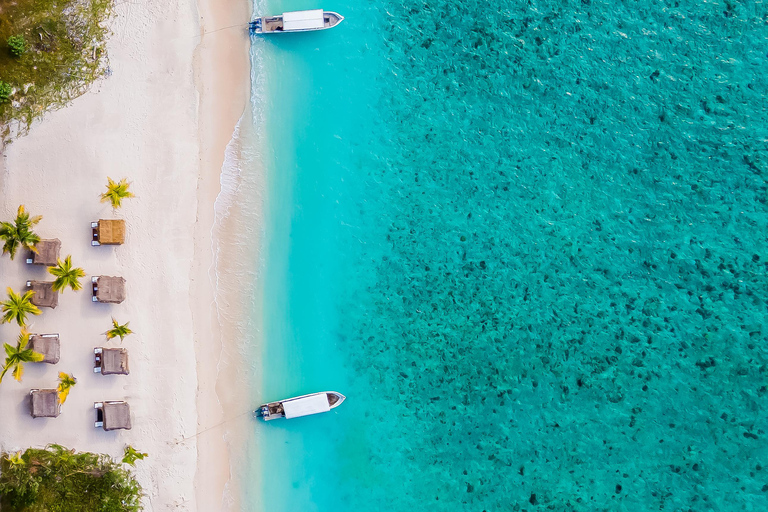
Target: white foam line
237, 159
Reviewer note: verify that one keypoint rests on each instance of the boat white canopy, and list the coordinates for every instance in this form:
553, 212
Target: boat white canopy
303, 20
312, 404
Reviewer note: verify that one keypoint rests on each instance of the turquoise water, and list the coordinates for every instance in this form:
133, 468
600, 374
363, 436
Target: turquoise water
528, 241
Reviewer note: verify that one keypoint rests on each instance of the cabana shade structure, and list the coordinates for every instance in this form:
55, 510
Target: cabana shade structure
44, 296
45, 403
108, 232
108, 289
48, 252
46, 344
113, 415
110, 361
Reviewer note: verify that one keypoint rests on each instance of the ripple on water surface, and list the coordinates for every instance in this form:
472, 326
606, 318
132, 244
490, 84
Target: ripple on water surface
563, 272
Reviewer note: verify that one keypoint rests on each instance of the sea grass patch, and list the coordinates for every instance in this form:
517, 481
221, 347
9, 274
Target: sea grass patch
50, 53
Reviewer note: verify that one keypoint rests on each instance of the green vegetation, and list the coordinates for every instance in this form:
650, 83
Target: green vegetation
131, 455
118, 330
5, 91
19, 232
66, 275
66, 382
18, 45
116, 192
55, 479
15, 357
17, 307
55, 50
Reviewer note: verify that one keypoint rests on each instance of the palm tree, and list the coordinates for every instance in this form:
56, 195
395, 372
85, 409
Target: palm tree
19, 232
17, 307
116, 192
66, 275
118, 330
17, 356
66, 382
131, 455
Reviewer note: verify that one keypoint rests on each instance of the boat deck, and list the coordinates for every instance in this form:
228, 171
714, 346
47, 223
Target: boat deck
299, 21
272, 24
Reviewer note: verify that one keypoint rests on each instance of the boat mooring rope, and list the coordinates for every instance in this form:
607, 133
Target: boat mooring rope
214, 426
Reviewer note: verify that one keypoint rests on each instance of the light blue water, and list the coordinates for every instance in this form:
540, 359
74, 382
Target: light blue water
528, 241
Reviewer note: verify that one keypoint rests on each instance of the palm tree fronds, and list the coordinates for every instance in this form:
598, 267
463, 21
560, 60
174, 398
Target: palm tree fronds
17, 307
18, 233
116, 192
118, 330
18, 371
66, 383
131, 455
17, 356
66, 275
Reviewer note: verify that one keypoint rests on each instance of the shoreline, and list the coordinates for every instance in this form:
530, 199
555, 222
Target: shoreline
222, 81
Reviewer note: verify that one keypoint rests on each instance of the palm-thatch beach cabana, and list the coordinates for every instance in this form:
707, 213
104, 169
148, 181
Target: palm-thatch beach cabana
48, 252
46, 344
113, 415
108, 232
45, 403
44, 296
110, 361
108, 289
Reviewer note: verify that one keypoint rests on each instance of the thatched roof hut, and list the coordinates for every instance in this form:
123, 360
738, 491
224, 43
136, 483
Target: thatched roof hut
44, 296
45, 403
108, 289
48, 252
112, 361
114, 415
46, 344
108, 232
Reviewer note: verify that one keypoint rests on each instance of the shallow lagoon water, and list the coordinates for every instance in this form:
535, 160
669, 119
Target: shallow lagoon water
528, 241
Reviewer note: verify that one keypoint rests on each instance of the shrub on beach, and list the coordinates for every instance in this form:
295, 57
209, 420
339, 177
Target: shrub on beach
64, 55
17, 45
5, 91
55, 478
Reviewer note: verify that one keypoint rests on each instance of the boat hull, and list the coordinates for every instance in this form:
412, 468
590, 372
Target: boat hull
304, 405
277, 25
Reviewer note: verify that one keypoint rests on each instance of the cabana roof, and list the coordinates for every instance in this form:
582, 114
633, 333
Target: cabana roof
45, 403
114, 361
48, 252
111, 231
44, 296
46, 344
109, 289
117, 415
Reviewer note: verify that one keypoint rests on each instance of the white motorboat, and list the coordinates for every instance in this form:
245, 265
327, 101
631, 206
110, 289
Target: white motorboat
296, 21
301, 405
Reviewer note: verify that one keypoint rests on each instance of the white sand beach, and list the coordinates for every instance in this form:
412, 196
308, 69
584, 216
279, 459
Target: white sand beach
163, 120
